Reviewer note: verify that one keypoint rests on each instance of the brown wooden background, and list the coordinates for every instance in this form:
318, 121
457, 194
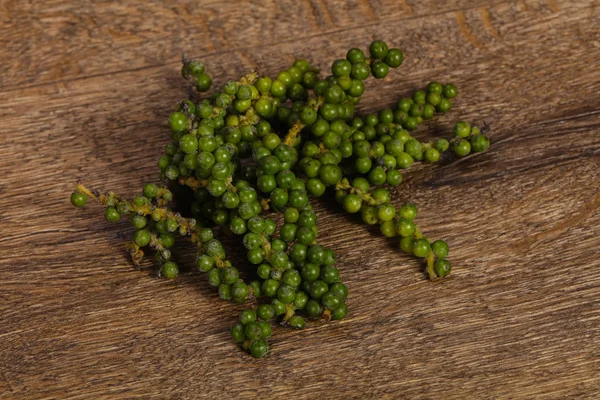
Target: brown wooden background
85, 90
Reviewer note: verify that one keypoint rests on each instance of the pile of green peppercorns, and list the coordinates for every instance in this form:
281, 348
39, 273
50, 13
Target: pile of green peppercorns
261, 147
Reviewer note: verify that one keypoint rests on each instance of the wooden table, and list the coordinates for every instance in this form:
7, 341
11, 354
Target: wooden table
85, 91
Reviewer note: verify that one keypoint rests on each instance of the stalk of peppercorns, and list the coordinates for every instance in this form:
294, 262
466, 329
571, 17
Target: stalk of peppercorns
260, 147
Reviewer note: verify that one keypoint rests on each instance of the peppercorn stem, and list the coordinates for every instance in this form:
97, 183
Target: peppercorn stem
295, 130
430, 266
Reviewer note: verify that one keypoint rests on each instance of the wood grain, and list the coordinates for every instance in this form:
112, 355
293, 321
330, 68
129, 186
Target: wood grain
84, 94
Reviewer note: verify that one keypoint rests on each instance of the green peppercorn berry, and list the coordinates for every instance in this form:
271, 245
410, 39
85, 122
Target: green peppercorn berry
278, 88
461, 147
432, 155
203, 82
315, 187
237, 333
301, 64
112, 215
167, 240
263, 107
214, 277
225, 291
169, 270
150, 190
386, 212
286, 293
139, 221
341, 68
205, 263
406, 244
330, 174
352, 203
377, 175
411, 123
378, 49
266, 329
434, 98
355, 55
78, 199
404, 104
247, 316
441, 145
318, 288
265, 312
178, 122
311, 272
296, 322
462, 129
239, 292
314, 309
394, 58
292, 278
380, 70
388, 229
450, 91
331, 301
259, 348
363, 164
404, 160
435, 87
408, 211
413, 148
421, 247
340, 313
369, 215
479, 143
269, 287
188, 143
405, 227
393, 177
440, 249
442, 268
141, 237
279, 197
339, 290
416, 110
444, 106
428, 111
278, 307
255, 256
263, 84
253, 331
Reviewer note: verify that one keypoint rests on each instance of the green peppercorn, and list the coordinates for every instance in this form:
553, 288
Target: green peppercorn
378, 49
178, 122
479, 143
394, 58
442, 268
379, 70
421, 247
450, 91
340, 313
440, 249
408, 211
461, 147
296, 322
431, 155
462, 129
141, 237
352, 203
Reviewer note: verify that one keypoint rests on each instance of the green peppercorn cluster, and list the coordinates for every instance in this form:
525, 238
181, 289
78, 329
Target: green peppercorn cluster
254, 152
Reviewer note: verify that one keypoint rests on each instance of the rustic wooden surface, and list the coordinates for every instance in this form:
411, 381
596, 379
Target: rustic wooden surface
85, 90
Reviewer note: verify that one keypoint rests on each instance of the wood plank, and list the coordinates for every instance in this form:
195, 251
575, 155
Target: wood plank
518, 319
69, 40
